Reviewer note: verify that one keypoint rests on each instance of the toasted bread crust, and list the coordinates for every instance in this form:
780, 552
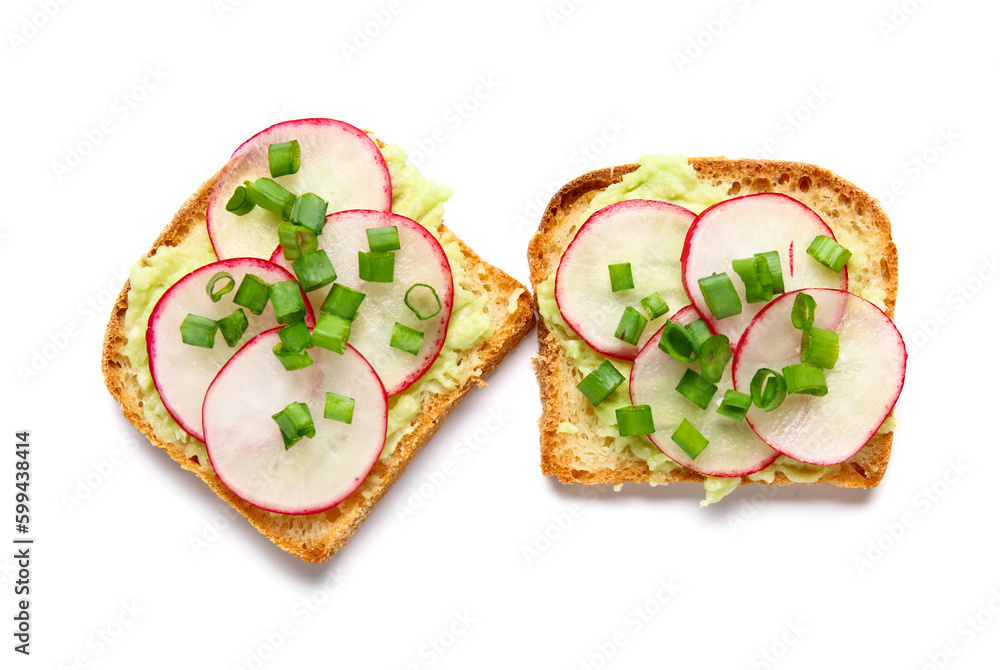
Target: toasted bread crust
316, 537
586, 458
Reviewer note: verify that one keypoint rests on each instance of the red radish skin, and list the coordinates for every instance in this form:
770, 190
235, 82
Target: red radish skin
645, 233
244, 443
746, 225
420, 259
339, 163
182, 372
863, 385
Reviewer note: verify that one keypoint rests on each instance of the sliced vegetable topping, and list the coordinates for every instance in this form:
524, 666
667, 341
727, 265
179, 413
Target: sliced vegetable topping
767, 397
696, 388
286, 298
756, 275
630, 326
621, 277
331, 332
803, 311
805, 379
295, 422
339, 408
253, 294
774, 269
720, 295
734, 405
283, 158
689, 439
713, 355
309, 211
418, 298
677, 341
406, 339
314, 270
383, 239
216, 295
240, 202
600, 382
233, 326
654, 305
343, 302
826, 250
272, 196
295, 337
635, 420
296, 240
199, 331
820, 347
292, 360
376, 266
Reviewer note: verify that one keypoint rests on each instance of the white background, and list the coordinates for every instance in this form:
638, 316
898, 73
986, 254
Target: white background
898, 97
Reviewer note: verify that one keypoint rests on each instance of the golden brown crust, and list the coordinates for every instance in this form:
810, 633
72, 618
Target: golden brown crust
316, 537
587, 458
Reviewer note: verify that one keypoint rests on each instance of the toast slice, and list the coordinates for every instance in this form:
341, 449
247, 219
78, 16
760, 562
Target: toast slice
316, 537
574, 449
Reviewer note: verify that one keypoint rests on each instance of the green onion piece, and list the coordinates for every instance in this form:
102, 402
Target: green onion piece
385, 238
314, 270
699, 332
826, 250
820, 347
720, 295
309, 211
676, 340
689, 439
635, 420
296, 241
654, 305
240, 203
734, 405
770, 396
339, 408
271, 196
600, 382
422, 300
233, 326
631, 326
803, 311
376, 266
696, 388
292, 360
621, 276
343, 302
713, 355
295, 337
252, 294
756, 275
283, 158
331, 332
286, 298
406, 339
806, 379
199, 331
216, 296
295, 422
774, 266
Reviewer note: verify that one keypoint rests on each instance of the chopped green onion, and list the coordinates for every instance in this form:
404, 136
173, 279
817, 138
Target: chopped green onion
631, 326
383, 239
406, 339
252, 294
713, 355
696, 388
331, 332
424, 301
756, 275
820, 347
826, 250
216, 296
240, 203
699, 332
720, 295
339, 408
309, 211
296, 241
734, 405
199, 331
376, 266
271, 196
803, 311
314, 270
283, 158
621, 276
689, 439
774, 265
676, 340
806, 379
295, 422
295, 337
600, 382
286, 298
635, 420
233, 326
343, 302
292, 360
770, 396
654, 305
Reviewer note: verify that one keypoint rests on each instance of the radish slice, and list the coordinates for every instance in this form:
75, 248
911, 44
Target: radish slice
733, 449
339, 163
244, 443
646, 233
420, 260
862, 387
182, 372
744, 226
